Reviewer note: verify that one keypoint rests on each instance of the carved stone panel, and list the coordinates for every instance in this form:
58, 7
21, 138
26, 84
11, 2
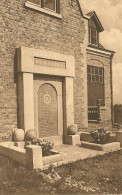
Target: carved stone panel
47, 111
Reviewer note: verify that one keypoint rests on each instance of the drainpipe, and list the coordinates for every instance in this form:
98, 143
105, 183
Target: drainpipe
111, 84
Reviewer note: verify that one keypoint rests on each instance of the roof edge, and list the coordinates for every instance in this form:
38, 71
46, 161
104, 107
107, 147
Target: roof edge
82, 11
101, 50
93, 13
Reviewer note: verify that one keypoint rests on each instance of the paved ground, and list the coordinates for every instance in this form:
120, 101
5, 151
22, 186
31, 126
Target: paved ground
74, 153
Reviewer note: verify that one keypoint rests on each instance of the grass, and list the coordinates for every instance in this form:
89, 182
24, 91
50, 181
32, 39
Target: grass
98, 175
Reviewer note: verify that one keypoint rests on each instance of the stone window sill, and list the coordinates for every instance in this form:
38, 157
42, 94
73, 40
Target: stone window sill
42, 10
102, 108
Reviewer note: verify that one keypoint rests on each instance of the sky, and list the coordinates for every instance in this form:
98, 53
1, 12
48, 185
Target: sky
110, 14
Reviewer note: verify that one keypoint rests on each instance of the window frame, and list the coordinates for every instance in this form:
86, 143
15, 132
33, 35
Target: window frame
41, 5
93, 71
93, 74
95, 37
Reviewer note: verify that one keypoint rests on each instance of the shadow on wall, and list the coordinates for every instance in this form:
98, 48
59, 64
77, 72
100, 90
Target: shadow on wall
16, 82
118, 113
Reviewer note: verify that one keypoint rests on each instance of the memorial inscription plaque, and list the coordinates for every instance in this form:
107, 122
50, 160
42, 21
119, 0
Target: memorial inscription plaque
50, 63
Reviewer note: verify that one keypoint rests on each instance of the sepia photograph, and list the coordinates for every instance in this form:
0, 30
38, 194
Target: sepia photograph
60, 97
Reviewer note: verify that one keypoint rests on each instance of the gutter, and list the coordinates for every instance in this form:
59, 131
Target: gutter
84, 16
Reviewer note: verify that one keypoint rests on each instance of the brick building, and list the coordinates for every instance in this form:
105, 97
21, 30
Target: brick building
53, 68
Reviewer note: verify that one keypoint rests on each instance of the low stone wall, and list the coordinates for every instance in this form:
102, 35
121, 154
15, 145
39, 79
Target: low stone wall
115, 139
110, 147
17, 154
54, 158
119, 137
31, 156
86, 136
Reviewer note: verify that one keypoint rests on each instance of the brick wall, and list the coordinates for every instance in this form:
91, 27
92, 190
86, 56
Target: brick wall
104, 62
25, 27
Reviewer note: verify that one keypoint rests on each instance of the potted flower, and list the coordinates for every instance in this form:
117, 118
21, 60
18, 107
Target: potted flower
101, 135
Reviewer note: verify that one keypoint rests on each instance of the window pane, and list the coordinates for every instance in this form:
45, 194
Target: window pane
93, 40
93, 36
100, 71
93, 70
50, 4
97, 78
88, 69
93, 78
96, 71
95, 74
93, 33
89, 77
35, 1
101, 79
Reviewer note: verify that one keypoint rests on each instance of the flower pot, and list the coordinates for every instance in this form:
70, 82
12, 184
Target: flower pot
19, 135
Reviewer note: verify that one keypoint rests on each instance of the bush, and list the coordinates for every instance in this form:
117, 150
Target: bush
118, 105
117, 125
45, 144
101, 135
